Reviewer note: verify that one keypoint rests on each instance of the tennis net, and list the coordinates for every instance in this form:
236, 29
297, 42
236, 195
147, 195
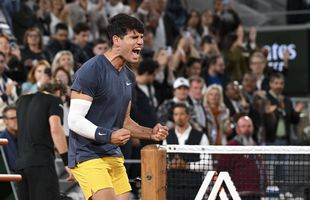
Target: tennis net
238, 172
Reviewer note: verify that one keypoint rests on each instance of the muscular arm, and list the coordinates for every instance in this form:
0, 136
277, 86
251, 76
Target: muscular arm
58, 134
157, 133
80, 104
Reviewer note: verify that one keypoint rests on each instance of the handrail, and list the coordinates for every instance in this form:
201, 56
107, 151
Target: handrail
3, 141
10, 177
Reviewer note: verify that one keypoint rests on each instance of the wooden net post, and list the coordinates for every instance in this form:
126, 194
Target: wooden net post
153, 172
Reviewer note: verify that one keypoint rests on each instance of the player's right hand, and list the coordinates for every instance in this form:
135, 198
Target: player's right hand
120, 136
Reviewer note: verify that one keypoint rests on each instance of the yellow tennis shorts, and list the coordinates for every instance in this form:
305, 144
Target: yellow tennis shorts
100, 173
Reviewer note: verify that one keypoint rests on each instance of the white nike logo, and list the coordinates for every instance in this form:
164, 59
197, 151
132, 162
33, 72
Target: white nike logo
61, 106
101, 133
127, 83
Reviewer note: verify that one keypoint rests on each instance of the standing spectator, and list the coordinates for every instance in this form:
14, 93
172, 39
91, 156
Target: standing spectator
196, 87
164, 76
214, 73
193, 26
82, 39
94, 15
39, 118
193, 67
186, 170
10, 150
235, 101
8, 92
248, 172
284, 115
217, 115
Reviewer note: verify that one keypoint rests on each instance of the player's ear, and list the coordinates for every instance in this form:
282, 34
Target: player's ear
116, 40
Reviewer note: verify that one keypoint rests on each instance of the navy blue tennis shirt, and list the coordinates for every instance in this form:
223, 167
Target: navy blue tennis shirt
111, 91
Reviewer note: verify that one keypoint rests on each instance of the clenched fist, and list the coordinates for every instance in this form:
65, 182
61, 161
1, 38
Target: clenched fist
120, 136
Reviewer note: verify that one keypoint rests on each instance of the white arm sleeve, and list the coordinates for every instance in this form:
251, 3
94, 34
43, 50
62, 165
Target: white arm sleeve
77, 121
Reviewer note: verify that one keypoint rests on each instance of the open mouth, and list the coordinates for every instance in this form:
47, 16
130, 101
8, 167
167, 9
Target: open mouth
136, 51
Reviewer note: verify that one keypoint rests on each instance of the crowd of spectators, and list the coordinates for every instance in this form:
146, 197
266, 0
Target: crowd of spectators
205, 60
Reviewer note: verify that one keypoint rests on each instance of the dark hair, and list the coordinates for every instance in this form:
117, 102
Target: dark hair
6, 109
275, 76
213, 59
55, 86
99, 41
182, 105
148, 66
192, 60
120, 25
80, 27
61, 26
65, 71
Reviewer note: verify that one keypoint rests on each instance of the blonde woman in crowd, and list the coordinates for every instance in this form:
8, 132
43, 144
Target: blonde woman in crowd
39, 75
217, 115
64, 59
59, 13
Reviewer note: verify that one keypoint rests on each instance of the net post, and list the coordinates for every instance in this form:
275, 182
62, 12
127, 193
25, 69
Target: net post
153, 172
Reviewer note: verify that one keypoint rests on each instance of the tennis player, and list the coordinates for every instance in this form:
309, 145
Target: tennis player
99, 115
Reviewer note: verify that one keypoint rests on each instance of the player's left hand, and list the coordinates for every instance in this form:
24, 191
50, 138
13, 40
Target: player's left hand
70, 177
159, 132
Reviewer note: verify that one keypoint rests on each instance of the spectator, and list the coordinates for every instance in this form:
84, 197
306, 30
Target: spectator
85, 11
39, 118
10, 150
193, 26
181, 94
14, 66
38, 76
82, 39
186, 170
114, 7
248, 172
8, 92
33, 48
214, 73
63, 76
60, 41
196, 100
235, 101
99, 47
193, 67
284, 115
59, 14
219, 126
64, 59
164, 76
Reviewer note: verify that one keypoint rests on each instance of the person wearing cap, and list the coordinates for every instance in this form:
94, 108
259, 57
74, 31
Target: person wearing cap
180, 95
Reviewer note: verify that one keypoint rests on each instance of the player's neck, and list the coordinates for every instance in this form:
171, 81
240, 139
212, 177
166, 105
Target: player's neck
116, 60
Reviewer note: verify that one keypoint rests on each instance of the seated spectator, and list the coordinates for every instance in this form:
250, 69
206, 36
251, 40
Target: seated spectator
10, 150
181, 94
64, 59
14, 66
39, 75
248, 172
185, 172
99, 47
33, 48
82, 39
8, 91
219, 126
60, 41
